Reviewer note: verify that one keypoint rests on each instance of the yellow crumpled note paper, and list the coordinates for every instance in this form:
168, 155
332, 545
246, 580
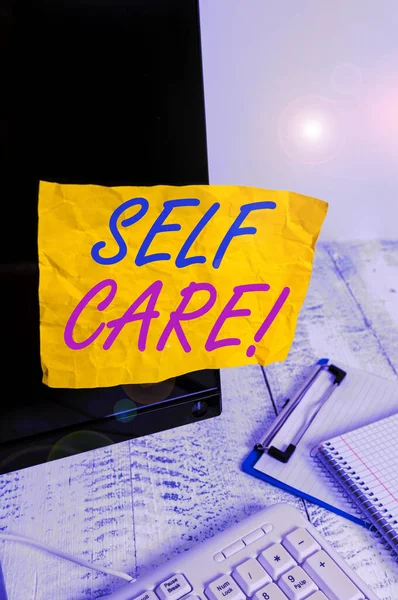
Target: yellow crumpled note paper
139, 284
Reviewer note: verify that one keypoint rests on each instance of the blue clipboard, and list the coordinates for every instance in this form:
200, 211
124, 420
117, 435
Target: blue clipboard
3, 592
248, 466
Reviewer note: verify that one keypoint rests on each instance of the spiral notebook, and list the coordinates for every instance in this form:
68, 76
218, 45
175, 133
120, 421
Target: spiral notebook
364, 464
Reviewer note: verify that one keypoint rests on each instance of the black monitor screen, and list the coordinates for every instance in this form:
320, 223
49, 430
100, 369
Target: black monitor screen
100, 91
97, 91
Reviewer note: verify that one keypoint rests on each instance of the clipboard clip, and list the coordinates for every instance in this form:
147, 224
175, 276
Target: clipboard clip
289, 407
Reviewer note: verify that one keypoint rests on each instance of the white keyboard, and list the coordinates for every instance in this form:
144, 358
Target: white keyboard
275, 554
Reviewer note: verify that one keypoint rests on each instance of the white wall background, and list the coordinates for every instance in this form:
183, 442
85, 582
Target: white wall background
303, 95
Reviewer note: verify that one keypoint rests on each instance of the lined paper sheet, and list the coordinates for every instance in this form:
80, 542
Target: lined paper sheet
372, 454
361, 399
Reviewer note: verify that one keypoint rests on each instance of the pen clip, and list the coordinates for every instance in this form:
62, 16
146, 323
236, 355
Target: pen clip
284, 455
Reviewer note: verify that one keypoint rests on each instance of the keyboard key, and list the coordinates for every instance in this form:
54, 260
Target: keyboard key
253, 536
300, 544
224, 587
233, 548
297, 584
276, 560
270, 592
173, 588
219, 557
267, 528
330, 578
250, 576
317, 596
147, 596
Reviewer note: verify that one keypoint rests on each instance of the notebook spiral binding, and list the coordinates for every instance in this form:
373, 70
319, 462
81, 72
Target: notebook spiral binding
344, 478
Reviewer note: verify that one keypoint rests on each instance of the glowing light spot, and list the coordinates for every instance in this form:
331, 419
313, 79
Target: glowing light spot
149, 393
125, 410
312, 130
78, 441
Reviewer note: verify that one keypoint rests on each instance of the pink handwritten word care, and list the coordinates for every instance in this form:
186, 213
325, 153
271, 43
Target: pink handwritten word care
151, 295
176, 319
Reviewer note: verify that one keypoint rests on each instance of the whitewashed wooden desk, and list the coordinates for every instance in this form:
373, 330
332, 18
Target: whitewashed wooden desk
135, 505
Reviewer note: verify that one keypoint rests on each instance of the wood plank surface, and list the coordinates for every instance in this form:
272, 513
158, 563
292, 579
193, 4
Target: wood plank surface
350, 315
135, 505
